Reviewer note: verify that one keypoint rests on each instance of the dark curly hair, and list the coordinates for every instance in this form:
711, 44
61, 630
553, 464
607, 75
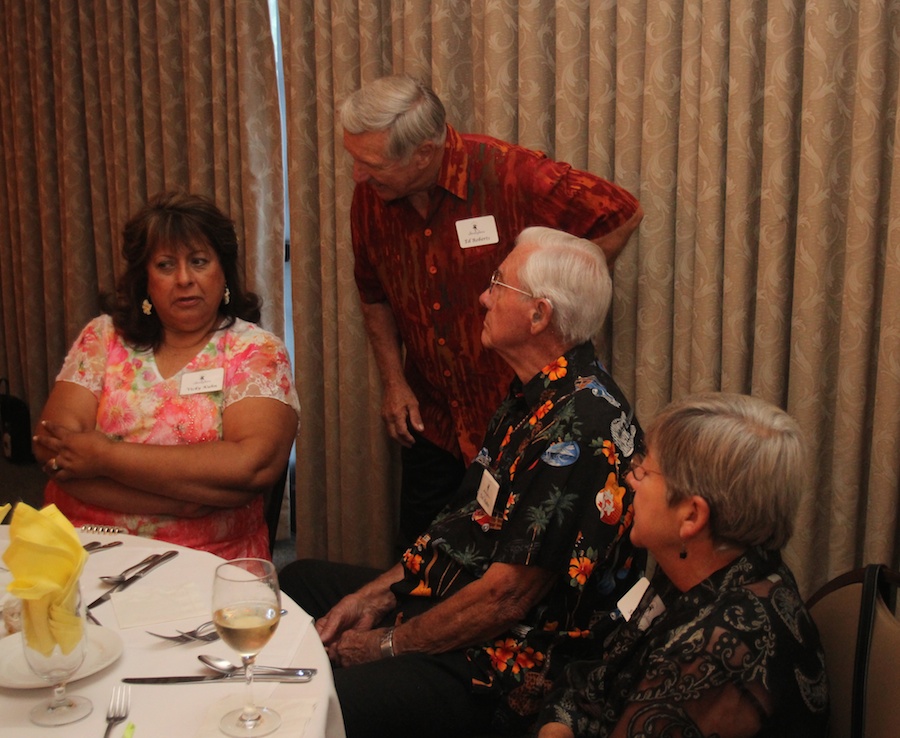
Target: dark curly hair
179, 219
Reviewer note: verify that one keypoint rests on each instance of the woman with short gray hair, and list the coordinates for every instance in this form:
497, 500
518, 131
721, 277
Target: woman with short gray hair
719, 643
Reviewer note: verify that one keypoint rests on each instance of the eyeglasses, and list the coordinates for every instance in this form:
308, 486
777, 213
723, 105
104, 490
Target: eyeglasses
495, 280
636, 468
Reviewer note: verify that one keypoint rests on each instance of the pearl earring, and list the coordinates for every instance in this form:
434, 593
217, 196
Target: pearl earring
227, 297
147, 306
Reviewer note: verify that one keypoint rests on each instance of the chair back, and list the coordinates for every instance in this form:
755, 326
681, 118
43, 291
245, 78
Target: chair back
860, 634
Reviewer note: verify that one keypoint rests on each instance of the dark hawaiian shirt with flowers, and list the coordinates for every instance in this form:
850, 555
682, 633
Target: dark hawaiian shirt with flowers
736, 655
558, 448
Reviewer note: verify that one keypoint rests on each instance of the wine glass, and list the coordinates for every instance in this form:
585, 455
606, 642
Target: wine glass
55, 667
246, 605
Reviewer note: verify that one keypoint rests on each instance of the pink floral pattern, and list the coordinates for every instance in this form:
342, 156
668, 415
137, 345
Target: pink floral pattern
137, 405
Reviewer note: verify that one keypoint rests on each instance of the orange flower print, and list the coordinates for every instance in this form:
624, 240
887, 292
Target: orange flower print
609, 500
609, 451
541, 412
556, 370
412, 561
502, 654
527, 659
580, 569
506, 437
579, 633
421, 590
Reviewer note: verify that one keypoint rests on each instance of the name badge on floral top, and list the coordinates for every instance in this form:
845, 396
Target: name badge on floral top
209, 380
477, 231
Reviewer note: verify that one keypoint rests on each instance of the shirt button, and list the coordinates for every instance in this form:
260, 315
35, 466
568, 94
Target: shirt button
454, 403
442, 341
432, 270
447, 372
428, 231
485, 527
436, 306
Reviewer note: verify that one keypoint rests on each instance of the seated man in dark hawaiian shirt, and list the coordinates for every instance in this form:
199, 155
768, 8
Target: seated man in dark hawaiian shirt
468, 630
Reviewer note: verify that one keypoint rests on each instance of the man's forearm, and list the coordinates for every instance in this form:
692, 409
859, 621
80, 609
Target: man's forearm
381, 327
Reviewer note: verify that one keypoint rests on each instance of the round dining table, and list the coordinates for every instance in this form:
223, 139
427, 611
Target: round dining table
173, 597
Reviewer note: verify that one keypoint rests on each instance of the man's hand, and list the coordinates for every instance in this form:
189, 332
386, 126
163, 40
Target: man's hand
357, 647
400, 411
351, 613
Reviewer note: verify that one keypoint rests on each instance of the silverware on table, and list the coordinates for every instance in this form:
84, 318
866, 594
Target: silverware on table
203, 633
119, 704
133, 578
95, 546
119, 578
301, 676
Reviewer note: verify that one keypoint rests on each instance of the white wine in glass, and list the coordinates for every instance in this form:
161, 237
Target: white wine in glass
246, 607
56, 667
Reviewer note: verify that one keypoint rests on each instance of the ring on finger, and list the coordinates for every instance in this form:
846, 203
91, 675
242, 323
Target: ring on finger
53, 465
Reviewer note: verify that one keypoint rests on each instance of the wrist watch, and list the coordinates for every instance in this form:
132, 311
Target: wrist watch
387, 644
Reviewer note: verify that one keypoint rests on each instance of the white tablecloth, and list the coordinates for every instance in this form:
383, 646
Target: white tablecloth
186, 710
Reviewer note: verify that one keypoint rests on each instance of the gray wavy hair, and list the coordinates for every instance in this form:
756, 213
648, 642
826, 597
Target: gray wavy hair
409, 109
571, 273
743, 455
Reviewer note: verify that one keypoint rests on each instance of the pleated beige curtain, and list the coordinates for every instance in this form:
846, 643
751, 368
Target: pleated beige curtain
761, 140
103, 104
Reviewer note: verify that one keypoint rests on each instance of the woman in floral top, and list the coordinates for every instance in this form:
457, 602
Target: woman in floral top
719, 643
173, 412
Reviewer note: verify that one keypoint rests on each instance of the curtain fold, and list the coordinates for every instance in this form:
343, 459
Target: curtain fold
102, 104
761, 140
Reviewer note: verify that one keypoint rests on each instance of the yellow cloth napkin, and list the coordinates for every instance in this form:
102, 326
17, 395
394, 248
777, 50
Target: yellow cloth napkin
45, 559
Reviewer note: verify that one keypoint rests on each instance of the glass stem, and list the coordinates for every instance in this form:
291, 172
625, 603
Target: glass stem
58, 698
250, 716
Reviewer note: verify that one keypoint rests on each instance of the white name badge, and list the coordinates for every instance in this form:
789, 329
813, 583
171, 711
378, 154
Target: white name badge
477, 231
209, 380
632, 598
487, 492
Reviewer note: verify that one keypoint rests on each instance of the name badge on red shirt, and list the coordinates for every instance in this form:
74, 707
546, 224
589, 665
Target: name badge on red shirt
481, 231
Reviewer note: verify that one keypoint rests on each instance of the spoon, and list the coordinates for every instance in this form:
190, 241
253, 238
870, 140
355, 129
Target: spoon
119, 578
223, 666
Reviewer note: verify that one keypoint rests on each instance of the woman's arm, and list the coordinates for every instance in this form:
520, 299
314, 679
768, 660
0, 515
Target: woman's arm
257, 437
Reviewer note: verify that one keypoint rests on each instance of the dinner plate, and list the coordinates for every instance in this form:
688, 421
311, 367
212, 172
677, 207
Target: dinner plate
104, 646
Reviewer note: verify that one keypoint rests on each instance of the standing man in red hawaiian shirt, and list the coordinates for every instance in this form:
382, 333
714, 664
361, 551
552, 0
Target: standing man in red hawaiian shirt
434, 211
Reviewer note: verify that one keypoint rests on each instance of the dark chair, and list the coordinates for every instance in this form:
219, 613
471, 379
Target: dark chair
272, 507
855, 615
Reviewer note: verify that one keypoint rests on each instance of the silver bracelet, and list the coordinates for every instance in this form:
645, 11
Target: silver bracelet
387, 644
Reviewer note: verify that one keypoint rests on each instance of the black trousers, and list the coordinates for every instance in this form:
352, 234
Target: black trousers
430, 478
411, 695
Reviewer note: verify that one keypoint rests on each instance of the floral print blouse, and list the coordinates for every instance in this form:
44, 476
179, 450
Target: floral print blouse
736, 655
137, 405
557, 448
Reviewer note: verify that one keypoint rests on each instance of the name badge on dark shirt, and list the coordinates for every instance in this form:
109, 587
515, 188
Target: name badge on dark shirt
481, 231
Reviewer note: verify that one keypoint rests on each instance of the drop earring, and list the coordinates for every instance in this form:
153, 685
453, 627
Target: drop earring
227, 296
147, 306
683, 554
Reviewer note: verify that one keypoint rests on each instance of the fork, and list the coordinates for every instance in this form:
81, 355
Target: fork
197, 634
118, 707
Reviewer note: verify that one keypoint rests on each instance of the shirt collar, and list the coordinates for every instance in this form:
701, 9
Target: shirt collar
574, 360
453, 175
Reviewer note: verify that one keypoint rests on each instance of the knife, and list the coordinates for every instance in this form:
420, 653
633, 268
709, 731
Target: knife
302, 675
133, 578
